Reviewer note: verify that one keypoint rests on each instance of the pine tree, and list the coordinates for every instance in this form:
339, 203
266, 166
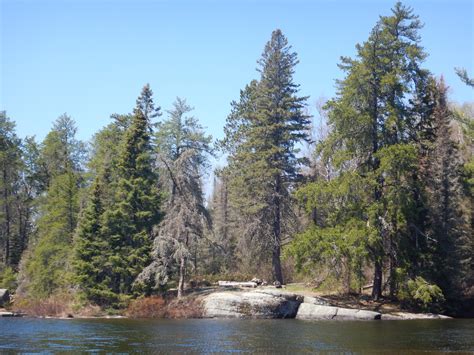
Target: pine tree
373, 125
182, 149
261, 137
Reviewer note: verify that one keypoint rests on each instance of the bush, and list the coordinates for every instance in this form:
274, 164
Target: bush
422, 295
147, 307
158, 307
57, 305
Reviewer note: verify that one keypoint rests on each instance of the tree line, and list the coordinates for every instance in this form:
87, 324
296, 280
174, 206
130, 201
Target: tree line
383, 199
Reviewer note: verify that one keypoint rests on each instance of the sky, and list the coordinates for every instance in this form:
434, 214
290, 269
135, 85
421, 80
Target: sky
90, 59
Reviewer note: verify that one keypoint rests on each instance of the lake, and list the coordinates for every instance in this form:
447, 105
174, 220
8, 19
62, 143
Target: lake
212, 335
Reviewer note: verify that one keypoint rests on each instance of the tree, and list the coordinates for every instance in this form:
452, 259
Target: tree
182, 149
448, 228
262, 133
462, 73
146, 104
91, 268
373, 126
11, 166
128, 223
47, 267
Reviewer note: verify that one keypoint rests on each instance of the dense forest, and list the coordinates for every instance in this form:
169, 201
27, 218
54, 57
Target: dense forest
374, 192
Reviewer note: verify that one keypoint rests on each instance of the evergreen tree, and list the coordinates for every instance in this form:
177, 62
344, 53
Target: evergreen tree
146, 104
261, 137
448, 230
129, 221
11, 166
182, 149
371, 142
47, 267
91, 267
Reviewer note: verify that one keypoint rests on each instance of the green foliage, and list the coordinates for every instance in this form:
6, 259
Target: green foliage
47, 268
370, 143
422, 295
49, 264
8, 278
183, 150
262, 134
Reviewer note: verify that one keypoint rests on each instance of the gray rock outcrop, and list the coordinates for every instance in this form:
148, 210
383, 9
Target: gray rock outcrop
316, 311
251, 304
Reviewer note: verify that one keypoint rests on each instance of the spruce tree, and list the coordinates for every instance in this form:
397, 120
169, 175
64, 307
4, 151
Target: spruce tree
129, 221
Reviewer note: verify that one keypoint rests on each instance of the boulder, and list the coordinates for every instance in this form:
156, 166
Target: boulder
4, 296
315, 311
250, 304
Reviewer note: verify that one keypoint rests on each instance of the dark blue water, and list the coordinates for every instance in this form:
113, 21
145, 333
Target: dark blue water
261, 336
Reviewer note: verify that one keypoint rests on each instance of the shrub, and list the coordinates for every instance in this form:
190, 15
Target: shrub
158, 307
188, 307
147, 307
57, 305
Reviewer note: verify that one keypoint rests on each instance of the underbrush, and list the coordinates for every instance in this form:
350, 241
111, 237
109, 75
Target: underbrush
60, 305
159, 307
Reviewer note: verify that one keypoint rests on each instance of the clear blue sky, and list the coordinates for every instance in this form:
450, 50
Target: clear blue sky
91, 58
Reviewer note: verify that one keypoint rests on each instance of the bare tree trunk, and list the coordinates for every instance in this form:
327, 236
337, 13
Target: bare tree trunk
347, 276
377, 286
182, 275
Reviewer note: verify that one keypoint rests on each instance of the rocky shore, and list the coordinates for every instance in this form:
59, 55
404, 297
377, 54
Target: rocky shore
276, 303
263, 302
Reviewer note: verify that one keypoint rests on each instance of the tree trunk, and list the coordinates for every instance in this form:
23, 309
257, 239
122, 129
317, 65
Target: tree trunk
7, 218
276, 263
182, 274
377, 286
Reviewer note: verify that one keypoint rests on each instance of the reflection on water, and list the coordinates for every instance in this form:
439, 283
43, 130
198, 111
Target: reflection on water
206, 335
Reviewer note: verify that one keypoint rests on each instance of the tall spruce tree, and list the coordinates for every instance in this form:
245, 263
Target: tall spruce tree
263, 131
129, 221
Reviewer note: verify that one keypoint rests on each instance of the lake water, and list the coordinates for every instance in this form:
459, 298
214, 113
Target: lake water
209, 335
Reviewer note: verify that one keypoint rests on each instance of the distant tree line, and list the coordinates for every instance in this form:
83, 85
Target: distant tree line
383, 200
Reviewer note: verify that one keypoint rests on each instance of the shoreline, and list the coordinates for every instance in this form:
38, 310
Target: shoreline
244, 303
